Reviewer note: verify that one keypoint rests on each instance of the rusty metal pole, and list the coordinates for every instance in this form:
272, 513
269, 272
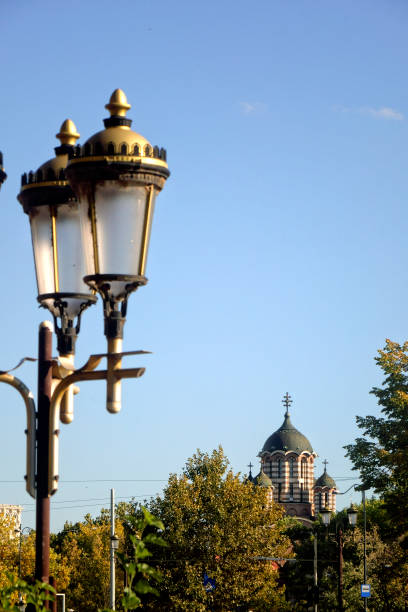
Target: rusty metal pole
340, 541
42, 538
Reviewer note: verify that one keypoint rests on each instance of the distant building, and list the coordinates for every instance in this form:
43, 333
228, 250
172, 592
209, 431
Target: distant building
287, 469
11, 513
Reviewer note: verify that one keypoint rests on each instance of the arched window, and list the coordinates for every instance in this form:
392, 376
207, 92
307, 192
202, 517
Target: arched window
301, 491
279, 468
136, 150
98, 148
320, 501
291, 467
148, 151
326, 499
291, 490
303, 468
123, 149
111, 148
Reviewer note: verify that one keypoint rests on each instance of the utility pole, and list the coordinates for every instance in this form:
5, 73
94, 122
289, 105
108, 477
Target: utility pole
365, 544
315, 587
112, 552
340, 541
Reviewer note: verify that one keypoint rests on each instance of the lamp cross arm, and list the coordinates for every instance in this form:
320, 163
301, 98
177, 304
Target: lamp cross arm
112, 374
358, 486
28, 398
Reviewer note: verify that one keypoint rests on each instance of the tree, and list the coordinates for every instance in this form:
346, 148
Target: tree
9, 556
216, 527
381, 455
86, 547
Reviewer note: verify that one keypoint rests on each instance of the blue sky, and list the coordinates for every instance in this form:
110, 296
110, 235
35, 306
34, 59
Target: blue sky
278, 254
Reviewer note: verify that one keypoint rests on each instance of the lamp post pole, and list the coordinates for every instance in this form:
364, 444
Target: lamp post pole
315, 585
90, 210
352, 515
365, 544
42, 541
112, 552
340, 585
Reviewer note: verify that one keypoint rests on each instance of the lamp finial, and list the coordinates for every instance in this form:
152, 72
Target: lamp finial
68, 134
118, 104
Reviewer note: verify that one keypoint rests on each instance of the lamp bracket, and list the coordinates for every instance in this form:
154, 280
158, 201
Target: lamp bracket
114, 303
87, 372
66, 331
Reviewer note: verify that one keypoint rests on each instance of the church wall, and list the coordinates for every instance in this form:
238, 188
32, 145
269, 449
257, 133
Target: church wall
292, 476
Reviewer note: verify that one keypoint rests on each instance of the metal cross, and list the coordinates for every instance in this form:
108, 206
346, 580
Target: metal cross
287, 401
250, 468
325, 462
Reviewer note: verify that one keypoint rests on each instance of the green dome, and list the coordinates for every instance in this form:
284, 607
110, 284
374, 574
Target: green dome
262, 480
287, 438
325, 481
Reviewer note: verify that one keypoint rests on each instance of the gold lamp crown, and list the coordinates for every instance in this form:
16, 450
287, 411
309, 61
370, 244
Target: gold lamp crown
118, 104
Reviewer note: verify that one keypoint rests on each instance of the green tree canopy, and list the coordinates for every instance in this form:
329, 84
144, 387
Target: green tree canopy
216, 525
381, 454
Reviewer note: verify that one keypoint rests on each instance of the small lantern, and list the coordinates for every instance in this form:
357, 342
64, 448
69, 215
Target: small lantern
3, 175
116, 176
325, 514
114, 542
352, 515
56, 236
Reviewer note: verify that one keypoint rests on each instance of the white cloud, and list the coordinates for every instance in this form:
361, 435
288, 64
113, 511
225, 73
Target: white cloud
385, 112
251, 108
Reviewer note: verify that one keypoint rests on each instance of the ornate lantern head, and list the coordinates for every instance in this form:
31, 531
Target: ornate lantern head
59, 259
116, 176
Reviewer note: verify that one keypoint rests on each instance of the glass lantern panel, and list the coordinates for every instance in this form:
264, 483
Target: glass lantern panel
120, 214
41, 236
71, 260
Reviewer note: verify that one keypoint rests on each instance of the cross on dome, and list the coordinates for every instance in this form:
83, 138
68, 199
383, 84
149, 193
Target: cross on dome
287, 401
325, 462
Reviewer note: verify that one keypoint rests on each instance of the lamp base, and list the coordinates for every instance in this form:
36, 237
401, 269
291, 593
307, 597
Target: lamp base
66, 306
114, 290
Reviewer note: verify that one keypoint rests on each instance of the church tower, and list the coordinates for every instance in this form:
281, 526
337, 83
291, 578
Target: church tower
325, 492
287, 459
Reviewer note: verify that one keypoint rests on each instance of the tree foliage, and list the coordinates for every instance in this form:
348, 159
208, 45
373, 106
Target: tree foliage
85, 547
381, 454
387, 567
215, 528
9, 556
140, 576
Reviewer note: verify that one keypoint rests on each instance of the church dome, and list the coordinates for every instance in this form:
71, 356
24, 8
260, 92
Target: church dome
262, 480
287, 438
325, 481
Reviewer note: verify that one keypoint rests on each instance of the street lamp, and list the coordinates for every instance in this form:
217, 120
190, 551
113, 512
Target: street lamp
3, 175
55, 223
116, 176
352, 515
20, 531
90, 210
325, 514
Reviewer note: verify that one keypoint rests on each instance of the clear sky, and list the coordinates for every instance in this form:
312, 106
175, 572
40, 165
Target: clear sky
278, 259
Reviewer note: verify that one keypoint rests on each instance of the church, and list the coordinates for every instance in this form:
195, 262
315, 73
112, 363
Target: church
287, 471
